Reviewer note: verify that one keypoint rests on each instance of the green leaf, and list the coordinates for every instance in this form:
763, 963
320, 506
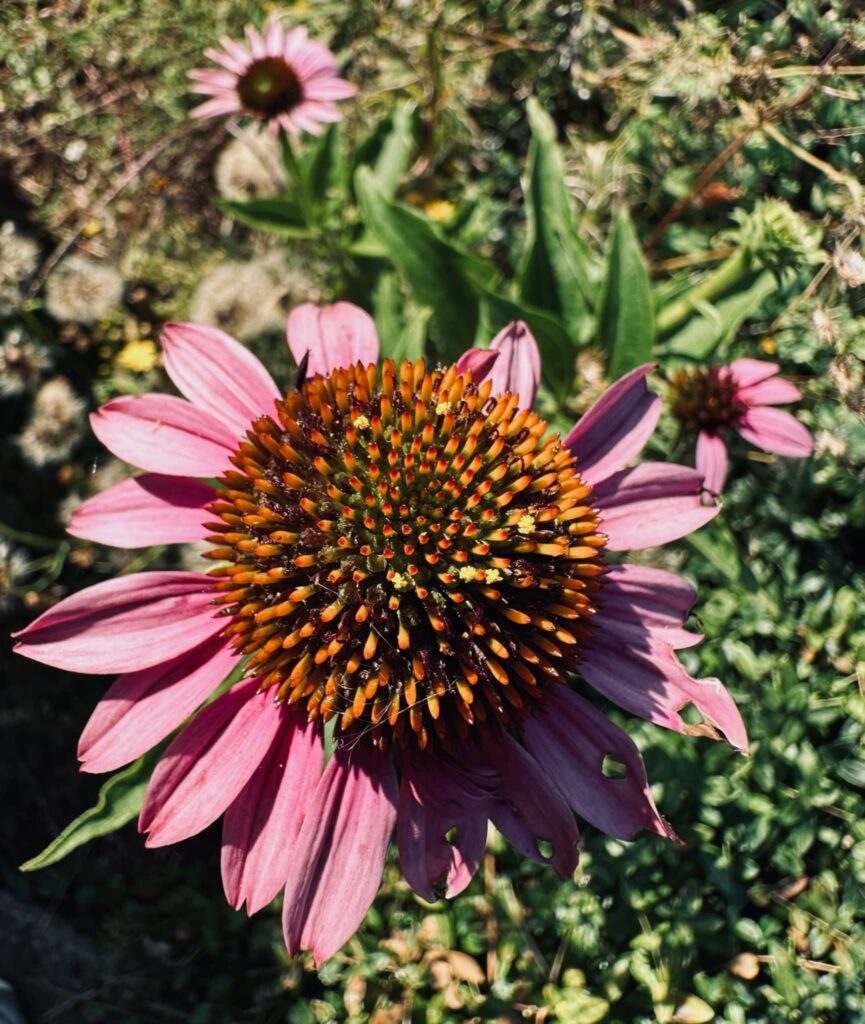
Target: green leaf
626, 320
278, 216
388, 150
326, 173
716, 543
716, 323
401, 326
438, 275
119, 801
557, 273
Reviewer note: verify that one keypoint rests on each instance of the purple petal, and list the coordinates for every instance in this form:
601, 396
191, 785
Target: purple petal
218, 374
571, 739
776, 431
262, 824
651, 503
631, 660
616, 428
334, 336
746, 372
478, 362
775, 391
712, 461
529, 808
518, 368
124, 624
141, 708
164, 434
209, 763
339, 856
148, 509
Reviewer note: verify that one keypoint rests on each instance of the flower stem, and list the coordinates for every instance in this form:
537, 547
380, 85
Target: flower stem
292, 166
731, 271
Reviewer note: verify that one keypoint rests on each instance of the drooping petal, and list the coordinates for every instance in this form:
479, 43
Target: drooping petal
518, 368
651, 598
262, 824
711, 459
478, 362
747, 372
651, 503
209, 763
775, 391
776, 431
530, 809
616, 428
339, 856
334, 336
631, 659
148, 509
571, 738
124, 624
439, 794
141, 708
164, 434
218, 374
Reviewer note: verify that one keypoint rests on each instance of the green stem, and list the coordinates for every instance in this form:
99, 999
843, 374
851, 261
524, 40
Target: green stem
292, 166
731, 271
33, 540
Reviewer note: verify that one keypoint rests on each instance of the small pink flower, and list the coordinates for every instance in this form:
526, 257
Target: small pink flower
278, 76
409, 554
740, 396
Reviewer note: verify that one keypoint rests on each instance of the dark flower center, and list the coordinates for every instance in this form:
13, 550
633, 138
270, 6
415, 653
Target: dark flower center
704, 398
407, 553
269, 87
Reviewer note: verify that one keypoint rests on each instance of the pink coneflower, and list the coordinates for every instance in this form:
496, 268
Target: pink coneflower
740, 396
405, 553
279, 76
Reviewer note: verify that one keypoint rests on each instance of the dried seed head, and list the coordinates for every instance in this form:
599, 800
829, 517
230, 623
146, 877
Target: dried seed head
406, 552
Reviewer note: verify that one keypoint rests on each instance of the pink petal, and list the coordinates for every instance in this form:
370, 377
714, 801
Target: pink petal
141, 708
146, 510
712, 461
436, 795
630, 657
124, 624
216, 107
478, 362
617, 426
746, 372
529, 808
327, 88
775, 391
775, 431
262, 824
651, 503
652, 599
218, 374
164, 434
571, 739
338, 859
209, 763
518, 368
335, 336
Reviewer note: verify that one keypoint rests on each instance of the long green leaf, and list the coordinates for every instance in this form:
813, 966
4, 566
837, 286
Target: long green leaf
278, 216
438, 275
119, 801
626, 321
557, 272
714, 324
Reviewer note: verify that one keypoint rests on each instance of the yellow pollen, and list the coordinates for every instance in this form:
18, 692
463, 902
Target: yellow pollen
493, 576
526, 525
361, 422
443, 408
400, 581
467, 573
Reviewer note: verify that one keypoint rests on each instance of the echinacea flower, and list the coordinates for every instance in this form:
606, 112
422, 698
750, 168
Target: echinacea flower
279, 76
404, 552
740, 396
